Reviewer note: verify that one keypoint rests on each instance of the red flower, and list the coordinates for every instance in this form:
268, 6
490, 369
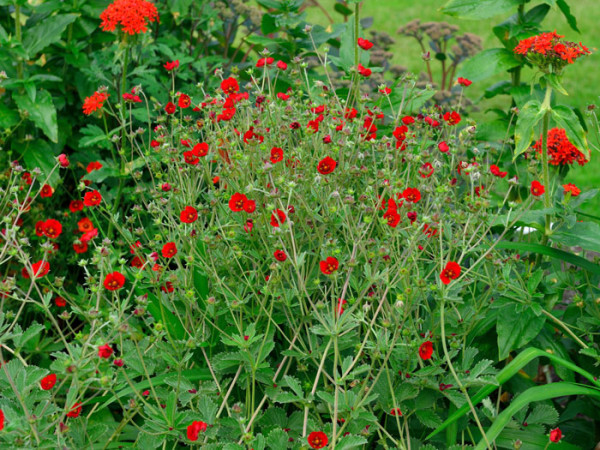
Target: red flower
170, 108
189, 215
555, 435
237, 201
495, 170
1, 420
464, 82
537, 188
184, 101
171, 65
80, 248
105, 351
250, 206
326, 165
60, 302
265, 62
385, 91
412, 195
329, 265
63, 160
39, 228
75, 410
248, 226
169, 250
426, 350
194, 429
574, 190
426, 170
392, 217
85, 225
364, 71
281, 65
278, 218
94, 165
364, 44
443, 147
39, 269
137, 262
52, 228
560, 150
276, 155
280, 255
317, 439
76, 206
250, 137
130, 14
92, 198
452, 118
48, 382
450, 272
94, 102
114, 281
191, 158
230, 86
46, 191
396, 412
200, 149
167, 288
340, 306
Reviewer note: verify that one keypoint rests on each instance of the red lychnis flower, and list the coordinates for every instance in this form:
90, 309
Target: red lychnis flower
570, 187
105, 351
75, 410
278, 217
317, 439
560, 150
450, 272
169, 250
114, 281
194, 429
364, 44
94, 102
329, 265
537, 188
48, 382
132, 15
326, 165
189, 215
426, 350
555, 435
92, 198
52, 228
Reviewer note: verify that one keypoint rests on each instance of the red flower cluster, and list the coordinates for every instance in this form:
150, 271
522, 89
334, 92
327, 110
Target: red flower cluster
364, 44
195, 428
239, 202
550, 46
560, 150
132, 15
94, 102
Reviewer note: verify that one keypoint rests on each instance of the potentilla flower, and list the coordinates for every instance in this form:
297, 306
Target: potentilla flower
276, 155
191, 158
75, 206
52, 228
452, 118
195, 428
326, 165
171, 65
80, 247
114, 281
450, 272
169, 250
94, 165
340, 306
365, 72
88, 236
408, 120
464, 82
392, 217
184, 101
92, 198
48, 382
555, 435
230, 86
39, 228
39, 269
189, 215
1, 420
317, 439
60, 302
94, 102
386, 91
280, 255
201, 149
85, 225
537, 188
443, 147
63, 160
364, 44
560, 150
426, 170
426, 350
132, 15
495, 170
278, 218
132, 97
265, 62
75, 410
572, 189
237, 201
281, 65
412, 195
396, 412
250, 137
105, 351
329, 265
250, 206
46, 191
170, 108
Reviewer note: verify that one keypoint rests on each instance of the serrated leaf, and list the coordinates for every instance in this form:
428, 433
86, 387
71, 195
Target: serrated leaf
277, 438
480, 368
529, 116
28, 334
428, 418
294, 385
93, 136
542, 414
516, 329
350, 441
46, 32
274, 417
478, 9
42, 112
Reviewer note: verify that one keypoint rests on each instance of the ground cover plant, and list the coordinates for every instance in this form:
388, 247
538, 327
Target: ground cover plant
280, 252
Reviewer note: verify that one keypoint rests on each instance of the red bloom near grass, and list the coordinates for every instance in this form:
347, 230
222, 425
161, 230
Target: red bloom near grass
92, 198
52, 228
450, 272
560, 150
195, 428
169, 250
114, 281
280, 255
39, 269
426, 350
329, 265
452, 118
364, 44
278, 218
570, 187
75, 410
132, 15
76, 206
46, 191
94, 102
184, 101
326, 165
396, 412
105, 351
537, 188
317, 439
412, 195
276, 155
495, 170
555, 435
48, 382
237, 202
170, 108
189, 215
230, 86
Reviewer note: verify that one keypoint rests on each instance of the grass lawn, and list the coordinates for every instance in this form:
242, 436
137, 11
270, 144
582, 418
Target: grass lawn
581, 80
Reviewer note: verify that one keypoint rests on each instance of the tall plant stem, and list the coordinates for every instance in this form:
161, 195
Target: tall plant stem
355, 87
545, 167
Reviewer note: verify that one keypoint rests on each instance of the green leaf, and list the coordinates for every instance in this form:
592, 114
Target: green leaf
294, 385
39, 154
350, 441
567, 119
46, 32
42, 112
268, 24
571, 20
488, 63
554, 81
516, 328
542, 414
582, 234
478, 9
94, 136
8, 117
538, 13
428, 418
529, 116
277, 438
343, 10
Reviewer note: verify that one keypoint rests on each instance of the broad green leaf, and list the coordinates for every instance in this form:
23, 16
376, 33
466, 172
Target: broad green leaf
487, 63
161, 313
538, 13
8, 117
42, 112
428, 418
294, 385
554, 81
571, 20
350, 441
478, 9
516, 328
542, 414
583, 234
567, 119
46, 32
277, 438
38, 153
343, 10
528, 118
94, 136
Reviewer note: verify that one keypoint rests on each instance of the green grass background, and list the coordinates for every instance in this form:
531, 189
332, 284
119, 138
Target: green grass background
580, 79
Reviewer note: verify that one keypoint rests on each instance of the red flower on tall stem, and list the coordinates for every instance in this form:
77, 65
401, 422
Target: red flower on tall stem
48, 382
105, 351
364, 44
555, 435
326, 165
278, 217
329, 265
450, 272
132, 15
75, 410
92, 198
114, 281
189, 215
94, 102
426, 350
52, 228
169, 250
537, 188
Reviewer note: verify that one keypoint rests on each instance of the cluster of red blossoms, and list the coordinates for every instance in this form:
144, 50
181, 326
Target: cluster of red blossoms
132, 15
550, 46
560, 150
94, 102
